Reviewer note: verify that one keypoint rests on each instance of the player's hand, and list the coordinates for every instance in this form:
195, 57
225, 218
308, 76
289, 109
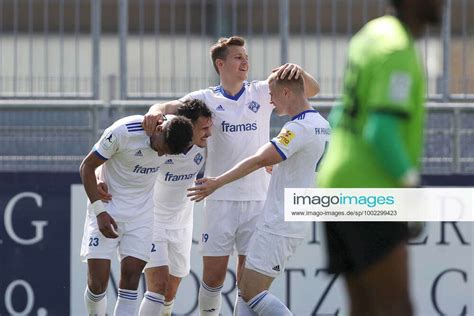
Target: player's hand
269, 169
107, 225
104, 194
288, 71
151, 120
204, 187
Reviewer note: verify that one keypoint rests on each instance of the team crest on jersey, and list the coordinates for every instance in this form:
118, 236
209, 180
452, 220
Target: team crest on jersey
169, 162
254, 106
198, 158
220, 108
108, 141
285, 137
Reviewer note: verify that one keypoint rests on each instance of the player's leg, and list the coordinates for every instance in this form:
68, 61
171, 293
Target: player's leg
239, 303
382, 288
157, 274
376, 273
220, 222
213, 276
157, 279
134, 251
95, 296
97, 251
250, 212
171, 291
179, 258
266, 259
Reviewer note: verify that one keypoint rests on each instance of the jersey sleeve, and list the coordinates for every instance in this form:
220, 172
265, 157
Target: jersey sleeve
289, 141
199, 94
392, 83
108, 144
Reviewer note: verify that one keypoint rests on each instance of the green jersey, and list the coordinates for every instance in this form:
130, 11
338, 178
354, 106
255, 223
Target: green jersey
384, 74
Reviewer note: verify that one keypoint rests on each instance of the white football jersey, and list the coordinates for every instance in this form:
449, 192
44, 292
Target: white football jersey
241, 125
130, 170
301, 143
173, 209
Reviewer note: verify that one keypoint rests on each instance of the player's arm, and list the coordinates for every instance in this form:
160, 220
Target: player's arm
382, 132
87, 169
288, 70
154, 116
267, 155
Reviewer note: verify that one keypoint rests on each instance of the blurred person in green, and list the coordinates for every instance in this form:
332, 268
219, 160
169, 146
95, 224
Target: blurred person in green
377, 142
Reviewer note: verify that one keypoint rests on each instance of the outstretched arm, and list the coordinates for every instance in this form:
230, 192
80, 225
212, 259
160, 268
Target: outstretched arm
267, 155
288, 70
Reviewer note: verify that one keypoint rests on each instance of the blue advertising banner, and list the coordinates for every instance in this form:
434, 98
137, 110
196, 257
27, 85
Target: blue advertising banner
34, 243
41, 225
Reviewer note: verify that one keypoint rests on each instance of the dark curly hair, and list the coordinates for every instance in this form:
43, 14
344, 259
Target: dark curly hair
178, 134
193, 109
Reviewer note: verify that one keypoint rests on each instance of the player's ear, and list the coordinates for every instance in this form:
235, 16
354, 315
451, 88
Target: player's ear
219, 63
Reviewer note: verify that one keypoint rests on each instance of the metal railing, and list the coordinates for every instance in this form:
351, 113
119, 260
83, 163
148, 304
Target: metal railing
170, 47
48, 135
50, 49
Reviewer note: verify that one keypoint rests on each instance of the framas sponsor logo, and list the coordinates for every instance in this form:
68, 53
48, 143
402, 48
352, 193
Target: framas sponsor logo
285, 137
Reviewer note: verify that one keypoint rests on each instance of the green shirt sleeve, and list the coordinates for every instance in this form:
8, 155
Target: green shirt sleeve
382, 133
392, 82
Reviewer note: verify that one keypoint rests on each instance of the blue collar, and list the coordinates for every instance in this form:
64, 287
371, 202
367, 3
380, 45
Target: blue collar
302, 114
228, 96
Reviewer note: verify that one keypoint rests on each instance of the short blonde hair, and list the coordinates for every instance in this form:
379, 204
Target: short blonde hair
219, 49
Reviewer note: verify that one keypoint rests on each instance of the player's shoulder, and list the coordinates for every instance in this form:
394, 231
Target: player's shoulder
256, 84
128, 124
375, 34
308, 120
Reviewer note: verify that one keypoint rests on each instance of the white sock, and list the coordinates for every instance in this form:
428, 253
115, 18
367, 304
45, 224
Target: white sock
209, 300
266, 304
167, 308
126, 302
96, 304
241, 308
151, 305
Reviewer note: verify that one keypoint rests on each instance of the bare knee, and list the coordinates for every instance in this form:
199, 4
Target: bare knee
214, 270
158, 285
97, 285
130, 272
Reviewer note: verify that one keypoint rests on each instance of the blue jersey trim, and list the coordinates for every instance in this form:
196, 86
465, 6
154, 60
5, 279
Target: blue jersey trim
301, 115
278, 150
228, 96
99, 155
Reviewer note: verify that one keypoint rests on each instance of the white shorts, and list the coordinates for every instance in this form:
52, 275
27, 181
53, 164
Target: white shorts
228, 224
269, 253
172, 248
134, 240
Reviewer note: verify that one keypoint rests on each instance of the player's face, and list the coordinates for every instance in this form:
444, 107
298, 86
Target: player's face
201, 131
157, 140
236, 63
277, 98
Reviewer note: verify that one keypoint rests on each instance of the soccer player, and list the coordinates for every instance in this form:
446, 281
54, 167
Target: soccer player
170, 258
130, 161
241, 125
377, 142
295, 152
